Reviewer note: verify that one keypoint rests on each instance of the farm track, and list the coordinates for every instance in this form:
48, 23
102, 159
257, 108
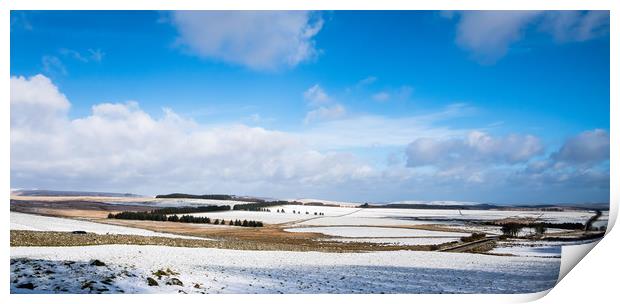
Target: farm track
469, 246
291, 223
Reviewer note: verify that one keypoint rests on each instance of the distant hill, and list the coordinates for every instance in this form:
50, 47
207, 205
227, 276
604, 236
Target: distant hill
410, 205
221, 197
70, 193
481, 206
463, 205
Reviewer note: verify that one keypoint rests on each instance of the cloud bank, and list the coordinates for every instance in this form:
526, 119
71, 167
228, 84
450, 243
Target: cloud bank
119, 147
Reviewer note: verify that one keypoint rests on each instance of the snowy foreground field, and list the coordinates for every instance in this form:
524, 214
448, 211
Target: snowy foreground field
301, 249
127, 269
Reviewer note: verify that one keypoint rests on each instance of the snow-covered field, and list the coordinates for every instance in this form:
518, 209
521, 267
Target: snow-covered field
312, 200
377, 232
232, 271
178, 202
327, 211
531, 249
448, 214
275, 217
398, 241
535, 248
23, 221
348, 214
265, 217
393, 217
361, 221
602, 221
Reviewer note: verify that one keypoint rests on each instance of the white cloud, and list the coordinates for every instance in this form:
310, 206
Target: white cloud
586, 147
119, 146
477, 147
315, 96
36, 103
366, 81
95, 55
582, 162
364, 131
260, 40
53, 65
19, 20
325, 113
381, 96
322, 106
488, 35
569, 26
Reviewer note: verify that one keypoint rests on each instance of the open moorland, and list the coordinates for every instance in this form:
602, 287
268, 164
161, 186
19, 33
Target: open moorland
205, 245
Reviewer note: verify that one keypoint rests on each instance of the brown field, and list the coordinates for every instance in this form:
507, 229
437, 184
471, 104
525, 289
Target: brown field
269, 237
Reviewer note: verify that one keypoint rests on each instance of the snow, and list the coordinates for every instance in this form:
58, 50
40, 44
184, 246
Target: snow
339, 203
537, 251
376, 232
179, 202
359, 221
398, 241
265, 217
24, 221
233, 271
393, 216
529, 249
327, 211
437, 203
275, 217
602, 221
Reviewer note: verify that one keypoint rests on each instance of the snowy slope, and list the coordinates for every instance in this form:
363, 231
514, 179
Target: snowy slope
233, 271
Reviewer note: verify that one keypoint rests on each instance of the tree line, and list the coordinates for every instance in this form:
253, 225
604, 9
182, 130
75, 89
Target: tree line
149, 216
175, 210
259, 205
224, 197
512, 229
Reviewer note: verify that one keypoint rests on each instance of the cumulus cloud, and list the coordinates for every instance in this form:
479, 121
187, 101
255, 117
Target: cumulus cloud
315, 95
36, 103
488, 35
260, 40
586, 147
322, 105
119, 146
477, 147
582, 161
578, 170
325, 113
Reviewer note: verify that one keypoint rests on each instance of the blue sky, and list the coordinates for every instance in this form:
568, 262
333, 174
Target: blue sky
380, 106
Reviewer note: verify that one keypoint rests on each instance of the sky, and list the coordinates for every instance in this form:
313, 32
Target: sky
371, 106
